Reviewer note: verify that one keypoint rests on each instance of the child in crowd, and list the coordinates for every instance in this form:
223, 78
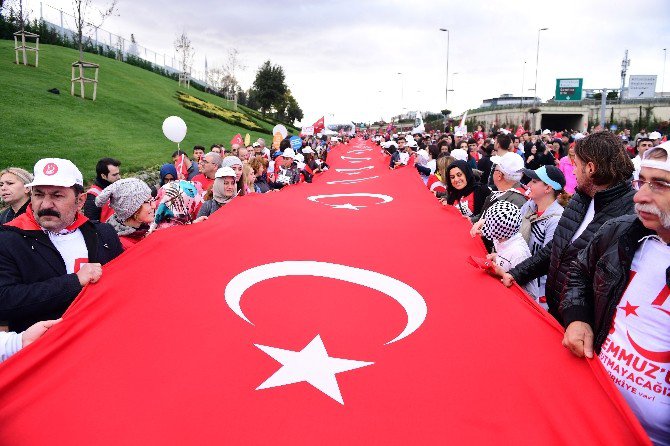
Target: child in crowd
503, 225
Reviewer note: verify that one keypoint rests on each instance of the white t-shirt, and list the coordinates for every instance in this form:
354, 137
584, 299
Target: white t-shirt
588, 218
636, 354
72, 249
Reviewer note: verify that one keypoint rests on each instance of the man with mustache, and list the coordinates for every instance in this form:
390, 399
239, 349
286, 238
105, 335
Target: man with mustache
52, 251
616, 298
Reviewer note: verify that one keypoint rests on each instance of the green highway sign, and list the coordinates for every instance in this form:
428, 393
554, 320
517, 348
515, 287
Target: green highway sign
569, 89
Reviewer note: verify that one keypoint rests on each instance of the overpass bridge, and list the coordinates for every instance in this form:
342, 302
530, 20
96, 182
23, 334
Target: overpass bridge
571, 115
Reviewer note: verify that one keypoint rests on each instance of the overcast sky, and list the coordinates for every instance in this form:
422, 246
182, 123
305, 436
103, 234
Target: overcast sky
343, 57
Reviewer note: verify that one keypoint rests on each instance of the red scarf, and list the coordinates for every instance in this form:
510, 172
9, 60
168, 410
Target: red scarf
27, 222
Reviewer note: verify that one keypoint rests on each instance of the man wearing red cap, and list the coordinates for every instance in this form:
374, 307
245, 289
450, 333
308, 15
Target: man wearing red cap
52, 250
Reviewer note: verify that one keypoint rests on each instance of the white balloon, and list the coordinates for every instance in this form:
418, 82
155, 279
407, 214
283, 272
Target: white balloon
174, 129
280, 129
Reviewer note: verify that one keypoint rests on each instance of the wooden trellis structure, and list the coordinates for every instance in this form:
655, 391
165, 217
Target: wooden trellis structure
22, 47
185, 78
82, 79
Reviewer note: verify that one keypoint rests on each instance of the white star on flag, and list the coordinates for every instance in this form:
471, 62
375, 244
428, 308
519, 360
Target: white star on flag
312, 365
346, 206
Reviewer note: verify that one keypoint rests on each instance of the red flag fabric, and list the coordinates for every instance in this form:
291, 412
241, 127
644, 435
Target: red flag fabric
182, 169
319, 125
383, 333
519, 131
237, 139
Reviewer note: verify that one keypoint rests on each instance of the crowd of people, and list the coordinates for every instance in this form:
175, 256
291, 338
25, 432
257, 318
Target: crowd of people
580, 220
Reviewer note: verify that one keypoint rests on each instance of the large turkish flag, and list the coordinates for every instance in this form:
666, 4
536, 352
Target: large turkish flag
364, 324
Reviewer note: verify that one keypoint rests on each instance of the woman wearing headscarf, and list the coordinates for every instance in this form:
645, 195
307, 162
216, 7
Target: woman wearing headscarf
236, 164
14, 192
167, 173
131, 201
223, 190
465, 193
179, 204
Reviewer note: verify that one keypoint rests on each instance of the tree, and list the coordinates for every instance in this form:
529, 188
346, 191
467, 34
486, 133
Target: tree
132, 50
269, 87
293, 110
185, 52
232, 66
82, 20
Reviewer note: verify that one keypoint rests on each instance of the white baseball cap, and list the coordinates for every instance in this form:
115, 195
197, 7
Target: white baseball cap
307, 150
459, 154
225, 172
56, 172
546, 132
299, 157
657, 164
288, 153
654, 135
509, 163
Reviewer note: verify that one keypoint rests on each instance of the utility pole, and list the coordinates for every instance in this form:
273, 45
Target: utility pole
624, 68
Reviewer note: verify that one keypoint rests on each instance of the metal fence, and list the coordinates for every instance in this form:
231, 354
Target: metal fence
65, 25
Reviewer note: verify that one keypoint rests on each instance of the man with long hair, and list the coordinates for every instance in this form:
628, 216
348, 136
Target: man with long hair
604, 191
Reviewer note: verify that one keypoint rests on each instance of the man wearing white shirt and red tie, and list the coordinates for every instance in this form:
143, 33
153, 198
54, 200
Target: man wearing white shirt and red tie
616, 302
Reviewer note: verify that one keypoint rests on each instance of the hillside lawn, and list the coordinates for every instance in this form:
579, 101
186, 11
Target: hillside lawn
124, 122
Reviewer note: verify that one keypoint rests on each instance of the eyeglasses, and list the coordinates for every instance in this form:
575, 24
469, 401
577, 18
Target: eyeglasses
204, 161
656, 186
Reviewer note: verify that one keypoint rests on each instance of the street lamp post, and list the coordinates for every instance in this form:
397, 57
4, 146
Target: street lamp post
537, 61
665, 53
402, 91
523, 80
446, 92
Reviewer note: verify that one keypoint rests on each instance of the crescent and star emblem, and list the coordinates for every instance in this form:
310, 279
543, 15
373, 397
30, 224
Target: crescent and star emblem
312, 364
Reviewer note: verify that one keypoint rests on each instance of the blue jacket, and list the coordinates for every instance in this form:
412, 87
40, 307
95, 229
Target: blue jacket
34, 284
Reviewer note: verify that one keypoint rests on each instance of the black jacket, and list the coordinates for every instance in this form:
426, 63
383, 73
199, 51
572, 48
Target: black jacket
8, 214
599, 276
555, 258
34, 284
92, 211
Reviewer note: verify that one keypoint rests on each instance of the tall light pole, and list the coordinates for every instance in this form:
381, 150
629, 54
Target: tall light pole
402, 91
523, 80
537, 60
446, 92
665, 53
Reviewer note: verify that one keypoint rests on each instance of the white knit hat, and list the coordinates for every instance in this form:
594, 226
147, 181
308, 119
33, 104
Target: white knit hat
125, 196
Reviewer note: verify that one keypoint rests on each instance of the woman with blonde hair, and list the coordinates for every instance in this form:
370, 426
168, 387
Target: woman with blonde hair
249, 179
14, 192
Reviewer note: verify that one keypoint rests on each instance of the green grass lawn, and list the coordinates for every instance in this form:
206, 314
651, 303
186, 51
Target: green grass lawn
124, 122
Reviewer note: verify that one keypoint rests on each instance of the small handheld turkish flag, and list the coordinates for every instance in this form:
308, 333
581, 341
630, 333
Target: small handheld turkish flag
319, 125
237, 139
